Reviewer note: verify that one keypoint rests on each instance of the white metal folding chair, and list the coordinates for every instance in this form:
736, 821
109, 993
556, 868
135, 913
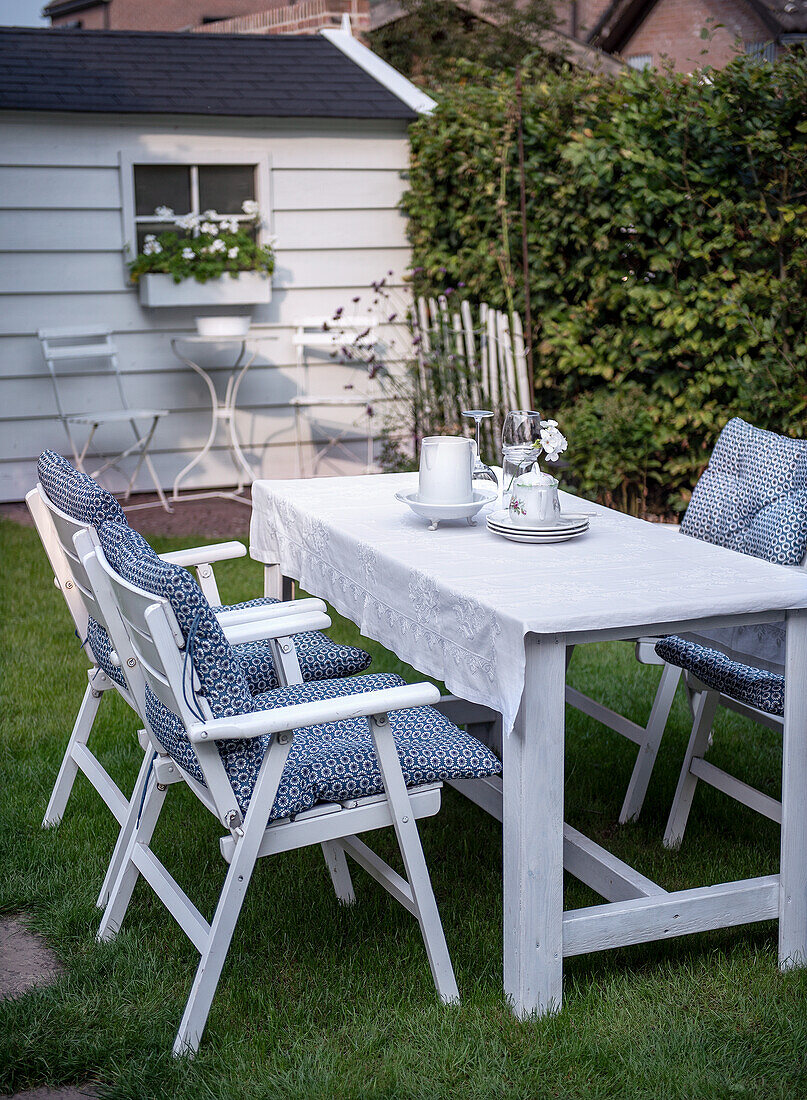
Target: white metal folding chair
334, 340
77, 359
262, 815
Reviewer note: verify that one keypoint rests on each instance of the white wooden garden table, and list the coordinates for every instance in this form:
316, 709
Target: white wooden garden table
493, 620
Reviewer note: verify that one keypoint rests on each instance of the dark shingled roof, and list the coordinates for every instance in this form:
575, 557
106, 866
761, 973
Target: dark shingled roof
284, 76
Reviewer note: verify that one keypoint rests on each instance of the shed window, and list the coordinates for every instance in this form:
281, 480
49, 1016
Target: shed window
190, 189
641, 61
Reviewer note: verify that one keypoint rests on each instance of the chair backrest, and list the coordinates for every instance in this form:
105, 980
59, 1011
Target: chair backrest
76, 356
170, 661
167, 675
333, 333
220, 679
752, 497
75, 493
64, 502
344, 340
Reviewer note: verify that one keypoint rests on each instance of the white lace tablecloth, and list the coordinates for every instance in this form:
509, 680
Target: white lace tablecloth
457, 602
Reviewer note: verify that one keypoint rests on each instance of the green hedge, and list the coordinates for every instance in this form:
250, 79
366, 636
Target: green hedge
667, 237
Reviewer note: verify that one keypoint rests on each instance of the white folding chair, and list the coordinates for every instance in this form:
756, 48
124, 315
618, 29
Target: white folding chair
342, 340
752, 498
715, 680
109, 670
77, 360
263, 818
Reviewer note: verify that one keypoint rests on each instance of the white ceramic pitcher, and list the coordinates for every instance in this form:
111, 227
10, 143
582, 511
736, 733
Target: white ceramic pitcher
446, 466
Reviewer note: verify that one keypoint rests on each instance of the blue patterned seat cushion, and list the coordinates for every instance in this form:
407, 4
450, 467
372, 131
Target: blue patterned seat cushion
752, 497
754, 686
319, 657
334, 761
76, 493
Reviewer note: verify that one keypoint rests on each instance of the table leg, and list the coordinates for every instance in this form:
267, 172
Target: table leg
533, 834
276, 584
214, 420
793, 858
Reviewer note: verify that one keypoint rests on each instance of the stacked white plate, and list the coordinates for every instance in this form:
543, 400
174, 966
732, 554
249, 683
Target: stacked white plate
568, 526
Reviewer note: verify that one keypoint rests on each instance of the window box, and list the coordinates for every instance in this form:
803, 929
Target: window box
249, 288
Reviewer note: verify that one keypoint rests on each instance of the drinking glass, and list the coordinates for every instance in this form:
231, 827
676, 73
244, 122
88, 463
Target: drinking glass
481, 472
521, 429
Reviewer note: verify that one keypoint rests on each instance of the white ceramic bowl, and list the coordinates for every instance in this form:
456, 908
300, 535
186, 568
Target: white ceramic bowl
434, 513
223, 326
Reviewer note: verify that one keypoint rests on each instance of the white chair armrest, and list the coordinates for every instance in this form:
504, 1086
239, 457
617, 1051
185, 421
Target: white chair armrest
283, 627
269, 611
282, 719
205, 555
646, 651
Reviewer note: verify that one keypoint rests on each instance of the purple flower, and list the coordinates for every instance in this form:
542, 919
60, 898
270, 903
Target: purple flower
449, 290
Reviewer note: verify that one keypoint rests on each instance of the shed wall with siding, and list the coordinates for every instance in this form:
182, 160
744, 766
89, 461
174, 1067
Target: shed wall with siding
334, 190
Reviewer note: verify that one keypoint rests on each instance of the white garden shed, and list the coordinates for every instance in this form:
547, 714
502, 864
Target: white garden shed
96, 126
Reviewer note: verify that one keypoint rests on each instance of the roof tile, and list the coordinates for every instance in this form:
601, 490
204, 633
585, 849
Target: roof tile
279, 76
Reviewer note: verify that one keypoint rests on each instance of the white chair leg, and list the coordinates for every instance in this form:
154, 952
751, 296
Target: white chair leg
417, 872
648, 751
125, 834
210, 966
705, 707
231, 898
67, 772
121, 893
336, 862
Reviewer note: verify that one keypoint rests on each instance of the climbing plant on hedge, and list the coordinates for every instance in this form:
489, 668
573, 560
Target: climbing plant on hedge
667, 224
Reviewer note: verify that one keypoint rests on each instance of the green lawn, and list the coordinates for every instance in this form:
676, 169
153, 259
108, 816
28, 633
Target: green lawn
320, 1002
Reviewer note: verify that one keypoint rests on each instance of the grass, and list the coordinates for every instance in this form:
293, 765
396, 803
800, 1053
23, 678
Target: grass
319, 1002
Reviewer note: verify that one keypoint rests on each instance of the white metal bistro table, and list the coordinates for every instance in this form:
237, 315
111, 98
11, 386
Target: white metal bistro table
221, 412
493, 620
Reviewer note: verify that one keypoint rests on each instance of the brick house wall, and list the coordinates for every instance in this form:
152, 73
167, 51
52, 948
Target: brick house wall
177, 15
303, 17
673, 27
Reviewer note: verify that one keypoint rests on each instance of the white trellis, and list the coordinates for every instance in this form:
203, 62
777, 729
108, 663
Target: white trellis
470, 361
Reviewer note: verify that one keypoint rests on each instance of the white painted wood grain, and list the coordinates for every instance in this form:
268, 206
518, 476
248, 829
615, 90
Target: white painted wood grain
533, 834
793, 857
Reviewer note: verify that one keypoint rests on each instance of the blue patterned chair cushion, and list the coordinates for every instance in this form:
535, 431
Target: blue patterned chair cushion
76, 493
319, 657
754, 686
221, 679
101, 648
335, 761
752, 497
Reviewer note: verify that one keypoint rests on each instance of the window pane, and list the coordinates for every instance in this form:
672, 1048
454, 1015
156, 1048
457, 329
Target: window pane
152, 227
223, 187
162, 185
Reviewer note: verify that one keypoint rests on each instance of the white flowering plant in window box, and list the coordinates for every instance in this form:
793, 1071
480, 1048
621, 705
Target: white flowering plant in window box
204, 247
